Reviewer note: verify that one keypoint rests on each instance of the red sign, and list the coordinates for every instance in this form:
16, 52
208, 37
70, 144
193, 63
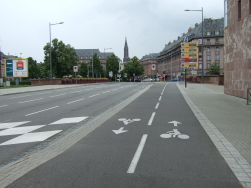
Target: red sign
187, 60
20, 65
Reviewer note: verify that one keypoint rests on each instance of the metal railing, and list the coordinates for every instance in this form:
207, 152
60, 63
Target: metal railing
248, 95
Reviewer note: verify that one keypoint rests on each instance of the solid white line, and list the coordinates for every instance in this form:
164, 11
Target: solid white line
3, 106
75, 101
31, 100
42, 110
151, 119
136, 157
20, 97
157, 105
58, 95
159, 98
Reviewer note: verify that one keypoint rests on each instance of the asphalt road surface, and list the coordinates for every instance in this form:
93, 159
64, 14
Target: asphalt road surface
155, 141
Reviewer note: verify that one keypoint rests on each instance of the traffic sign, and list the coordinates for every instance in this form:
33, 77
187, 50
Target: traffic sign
75, 68
153, 67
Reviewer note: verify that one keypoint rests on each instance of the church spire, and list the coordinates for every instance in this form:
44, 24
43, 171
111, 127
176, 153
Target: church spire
126, 52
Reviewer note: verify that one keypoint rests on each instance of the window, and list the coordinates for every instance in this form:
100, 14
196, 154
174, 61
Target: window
208, 65
200, 66
200, 41
208, 49
217, 57
208, 32
239, 10
217, 49
200, 49
217, 40
209, 57
217, 32
208, 41
225, 13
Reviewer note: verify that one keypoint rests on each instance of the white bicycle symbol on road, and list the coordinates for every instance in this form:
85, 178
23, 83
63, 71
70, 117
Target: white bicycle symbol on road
173, 134
127, 121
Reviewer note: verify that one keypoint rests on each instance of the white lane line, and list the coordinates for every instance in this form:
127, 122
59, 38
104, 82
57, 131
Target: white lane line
42, 110
44, 93
136, 157
94, 95
157, 105
162, 93
58, 95
75, 101
151, 119
32, 100
20, 97
160, 98
76, 91
3, 106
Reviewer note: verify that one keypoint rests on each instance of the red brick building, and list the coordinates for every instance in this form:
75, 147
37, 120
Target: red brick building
148, 61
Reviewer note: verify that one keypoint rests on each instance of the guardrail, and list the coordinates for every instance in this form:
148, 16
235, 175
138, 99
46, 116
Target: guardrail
248, 95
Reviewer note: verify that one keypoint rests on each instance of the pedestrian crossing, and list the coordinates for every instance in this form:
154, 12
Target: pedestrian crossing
25, 134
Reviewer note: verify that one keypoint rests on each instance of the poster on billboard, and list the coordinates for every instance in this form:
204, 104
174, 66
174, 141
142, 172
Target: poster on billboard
16, 67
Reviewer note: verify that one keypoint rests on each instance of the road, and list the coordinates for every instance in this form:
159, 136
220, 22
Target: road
155, 141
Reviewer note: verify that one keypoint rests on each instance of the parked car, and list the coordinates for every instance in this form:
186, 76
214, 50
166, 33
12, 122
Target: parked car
175, 80
147, 80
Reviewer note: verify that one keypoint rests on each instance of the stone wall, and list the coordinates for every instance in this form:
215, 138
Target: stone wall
55, 81
237, 50
212, 79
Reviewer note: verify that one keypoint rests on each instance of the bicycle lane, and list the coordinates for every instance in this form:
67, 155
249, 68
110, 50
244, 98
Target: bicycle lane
128, 150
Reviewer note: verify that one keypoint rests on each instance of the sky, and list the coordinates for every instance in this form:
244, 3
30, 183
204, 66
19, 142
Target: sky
97, 24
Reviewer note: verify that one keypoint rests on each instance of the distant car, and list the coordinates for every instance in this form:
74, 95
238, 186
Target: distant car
157, 79
147, 80
175, 80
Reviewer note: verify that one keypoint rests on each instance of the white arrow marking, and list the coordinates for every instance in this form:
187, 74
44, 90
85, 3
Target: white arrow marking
119, 131
175, 123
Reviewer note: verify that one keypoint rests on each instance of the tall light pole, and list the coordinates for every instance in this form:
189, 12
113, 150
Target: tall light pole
202, 44
50, 49
104, 58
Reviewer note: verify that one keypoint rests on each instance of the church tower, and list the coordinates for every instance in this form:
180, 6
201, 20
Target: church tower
126, 53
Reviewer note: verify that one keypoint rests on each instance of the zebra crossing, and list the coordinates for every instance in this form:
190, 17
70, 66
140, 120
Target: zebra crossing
25, 134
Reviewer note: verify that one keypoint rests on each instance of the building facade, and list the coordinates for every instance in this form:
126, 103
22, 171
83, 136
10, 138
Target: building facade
3, 56
126, 53
237, 49
148, 62
169, 60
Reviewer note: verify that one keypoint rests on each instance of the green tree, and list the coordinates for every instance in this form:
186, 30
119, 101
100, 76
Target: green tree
33, 68
83, 69
42, 71
63, 56
214, 69
133, 66
112, 64
97, 67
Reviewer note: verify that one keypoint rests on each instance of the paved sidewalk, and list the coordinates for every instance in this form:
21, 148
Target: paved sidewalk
227, 120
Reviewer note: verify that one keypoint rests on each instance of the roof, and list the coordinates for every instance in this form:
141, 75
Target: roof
89, 52
150, 56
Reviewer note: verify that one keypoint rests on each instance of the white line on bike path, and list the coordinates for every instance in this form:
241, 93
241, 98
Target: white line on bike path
136, 157
151, 119
157, 105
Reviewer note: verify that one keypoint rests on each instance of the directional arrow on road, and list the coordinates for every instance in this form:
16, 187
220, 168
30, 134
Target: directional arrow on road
175, 123
119, 131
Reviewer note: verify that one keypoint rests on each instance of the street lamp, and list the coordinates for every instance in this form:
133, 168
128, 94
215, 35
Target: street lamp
202, 44
104, 58
50, 48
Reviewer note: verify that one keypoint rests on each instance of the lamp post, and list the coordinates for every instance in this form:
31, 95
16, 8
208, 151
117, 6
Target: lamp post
50, 49
104, 58
202, 43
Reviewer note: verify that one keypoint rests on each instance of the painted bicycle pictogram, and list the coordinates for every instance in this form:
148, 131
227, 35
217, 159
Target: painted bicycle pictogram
173, 134
127, 121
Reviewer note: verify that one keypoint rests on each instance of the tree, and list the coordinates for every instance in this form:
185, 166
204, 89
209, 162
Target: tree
42, 71
97, 67
133, 67
112, 64
63, 56
83, 69
214, 69
33, 68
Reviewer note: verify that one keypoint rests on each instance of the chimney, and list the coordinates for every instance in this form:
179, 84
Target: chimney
184, 34
178, 37
174, 40
190, 29
196, 25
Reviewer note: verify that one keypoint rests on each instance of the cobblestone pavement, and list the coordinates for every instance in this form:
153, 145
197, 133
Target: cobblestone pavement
229, 118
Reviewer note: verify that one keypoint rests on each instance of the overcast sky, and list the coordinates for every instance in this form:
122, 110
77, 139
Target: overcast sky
98, 24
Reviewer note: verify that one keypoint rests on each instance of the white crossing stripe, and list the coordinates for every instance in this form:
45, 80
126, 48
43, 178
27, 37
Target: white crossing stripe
69, 120
19, 130
12, 124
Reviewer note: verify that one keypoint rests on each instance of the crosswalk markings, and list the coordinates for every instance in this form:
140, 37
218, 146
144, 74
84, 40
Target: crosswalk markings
69, 120
19, 130
12, 124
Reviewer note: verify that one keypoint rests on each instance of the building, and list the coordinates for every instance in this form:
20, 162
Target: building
3, 56
148, 62
169, 60
126, 53
237, 49
85, 55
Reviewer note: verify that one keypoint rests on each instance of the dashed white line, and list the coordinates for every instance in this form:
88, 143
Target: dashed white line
3, 106
75, 101
43, 93
58, 95
160, 98
42, 111
94, 95
151, 119
157, 105
20, 97
136, 157
32, 100
162, 93
76, 91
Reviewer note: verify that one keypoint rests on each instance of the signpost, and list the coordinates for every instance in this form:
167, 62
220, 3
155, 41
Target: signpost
189, 54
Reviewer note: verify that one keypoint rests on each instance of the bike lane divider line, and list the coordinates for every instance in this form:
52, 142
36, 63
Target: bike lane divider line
160, 98
157, 105
151, 119
137, 155
42, 111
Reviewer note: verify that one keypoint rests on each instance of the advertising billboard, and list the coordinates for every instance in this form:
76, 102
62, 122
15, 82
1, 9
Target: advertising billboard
16, 67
